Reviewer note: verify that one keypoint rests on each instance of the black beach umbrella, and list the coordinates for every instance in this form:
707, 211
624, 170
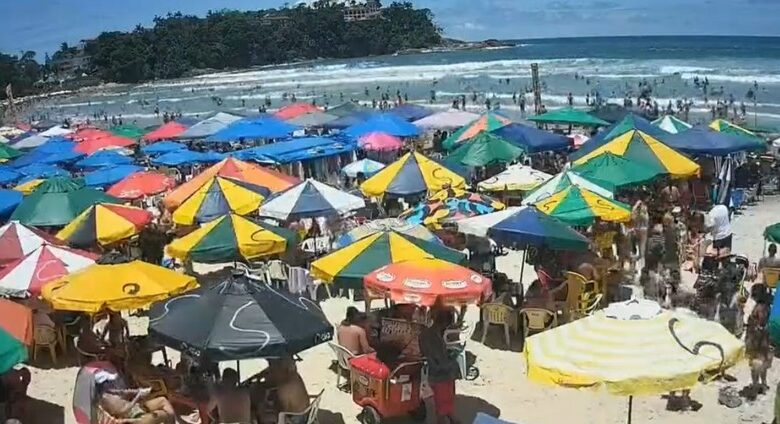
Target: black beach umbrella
239, 318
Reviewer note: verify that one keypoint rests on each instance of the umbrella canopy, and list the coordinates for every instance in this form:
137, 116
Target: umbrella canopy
56, 158
721, 125
516, 177
380, 141
7, 153
347, 109
110, 175
18, 241
12, 351
233, 169
209, 126
28, 159
103, 143
57, 201
533, 140
178, 158
387, 224
56, 130
31, 141
231, 238
104, 158
309, 199
412, 174
581, 207
450, 205
427, 282
166, 131
56, 145
631, 356
387, 123
562, 181
641, 147
141, 184
250, 129
40, 170
772, 233
27, 186
16, 320
132, 285
351, 119
8, 175
705, 141
348, 265
485, 149
411, 112
104, 224
524, 226
312, 119
446, 120
239, 319
27, 275
295, 110
629, 123
569, 116
162, 147
219, 196
128, 131
9, 200
672, 124
485, 123
367, 167
613, 172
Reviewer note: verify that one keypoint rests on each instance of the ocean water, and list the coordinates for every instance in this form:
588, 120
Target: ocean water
613, 66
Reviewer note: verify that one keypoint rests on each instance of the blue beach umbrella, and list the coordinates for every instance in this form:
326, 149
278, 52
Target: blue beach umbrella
177, 158
252, 129
104, 158
162, 147
531, 139
350, 120
110, 175
211, 156
387, 123
367, 167
42, 170
56, 145
28, 159
61, 157
704, 141
8, 175
9, 200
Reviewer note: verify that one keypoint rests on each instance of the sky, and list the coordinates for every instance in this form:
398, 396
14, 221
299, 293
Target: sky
41, 25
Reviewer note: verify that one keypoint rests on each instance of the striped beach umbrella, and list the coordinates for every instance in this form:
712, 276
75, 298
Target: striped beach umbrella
672, 124
450, 205
412, 174
562, 181
310, 199
219, 196
485, 123
105, 224
27, 275
613, 172
578, 206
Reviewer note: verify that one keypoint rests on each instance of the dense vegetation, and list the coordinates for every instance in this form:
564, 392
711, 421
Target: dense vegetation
178, 44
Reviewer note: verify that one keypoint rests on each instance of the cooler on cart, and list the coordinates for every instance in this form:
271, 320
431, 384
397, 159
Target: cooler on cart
385, 392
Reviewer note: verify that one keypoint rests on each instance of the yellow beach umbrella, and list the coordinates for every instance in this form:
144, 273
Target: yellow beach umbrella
412, 174
29, 186
578, 206
218, 196
132, 285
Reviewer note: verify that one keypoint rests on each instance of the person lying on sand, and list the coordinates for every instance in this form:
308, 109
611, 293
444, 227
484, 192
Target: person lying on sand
152, 411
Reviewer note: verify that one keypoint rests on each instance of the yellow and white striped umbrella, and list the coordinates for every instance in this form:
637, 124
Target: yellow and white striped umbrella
631, 356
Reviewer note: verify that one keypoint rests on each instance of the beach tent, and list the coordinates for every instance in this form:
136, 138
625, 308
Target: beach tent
449, 206
93, 145
209, 126
411, 112
380, 141
721, 125
385, 123
446, 120
41, 170
166, 131
28, 275
672, 124
613, 172
386, 224
141, 184
104, 224
294, 110
488, 122
128, 131
705, 141
9, 200
413, 174
110, 175
485, 149
162, 147
580, 207
562, 181
367, 167
533, 140
104, 158
629, 123
219, 196
251, 129
312, 119
57, 201
310, 199
569, 116
515, 178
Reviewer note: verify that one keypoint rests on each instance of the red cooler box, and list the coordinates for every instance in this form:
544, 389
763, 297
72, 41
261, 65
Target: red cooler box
383, 392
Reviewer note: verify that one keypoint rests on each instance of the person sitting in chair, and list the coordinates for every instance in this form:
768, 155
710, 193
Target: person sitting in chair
232, 401
283, 386
351, 334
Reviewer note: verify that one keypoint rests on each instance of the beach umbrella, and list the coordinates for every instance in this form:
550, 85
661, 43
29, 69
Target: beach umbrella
63, 157
32, 158
516, 177
630, 350
379, 141
87, 133
367, 167
234, 169
41, 170
8, 175
312, 119
165, 131
704, 141
93, 145
104, 224
347, 109
219, 196
56, 130
209, 126
386, 224
29, 142
387, 123
485, 149
294, 110
210, 156
12, 351
27, 275
104, 158
141, 184
672, 124
7, 153
232, 237
124, 286
9, 200
9, 131
412, 174
411, 112
628, 124
446, 120
449, 206
17, 320
614, 172
57, 201
27, 186
239, 318
348, 265
162, 147
128, 131
772, 233
18, 241
580, 207
641, 147
427, 282
486, 123
251, 129
721, 125
178, 158
350, 120
569, 116
310, 199
110, 175
562, 181
533, 140
56, 145
4, 140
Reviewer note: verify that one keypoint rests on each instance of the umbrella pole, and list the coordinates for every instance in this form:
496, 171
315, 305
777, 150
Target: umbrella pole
630, 407
522, 265
238, 370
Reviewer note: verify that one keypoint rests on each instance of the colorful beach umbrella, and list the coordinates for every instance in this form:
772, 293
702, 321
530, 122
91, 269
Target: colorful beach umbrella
27, 275
128, 131
232, 238
427, 282
27, 186
516, 177
562, 181
721, 125
219, 196
387, 123
9, 200
446, 120
104, 158
386, 224
772, 233
486, 123
178, 158
485, 149
367, 167
110, 175
449, 206
614, 172
16, 320
7, 153
104, 224
209, 126
57, 201
580, 207
310, 199
348, 265
379, 141
672, 124
294, 110
166, 131
162, 147
411, 111
412, 174
41, 170
108, 142
18, 240
12, 351
118, 287
630, 122
141, 184
569, 116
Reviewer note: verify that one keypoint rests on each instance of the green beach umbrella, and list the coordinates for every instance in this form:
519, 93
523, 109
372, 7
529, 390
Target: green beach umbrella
12, 351
569, 116
772, 233
485, 149
724, 126
613, 172
672, 124
57, 201
7, 153
562, 181
486, 123
129, 131
580, 207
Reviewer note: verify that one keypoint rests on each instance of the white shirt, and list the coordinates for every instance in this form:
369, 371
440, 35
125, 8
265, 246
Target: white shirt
718, 218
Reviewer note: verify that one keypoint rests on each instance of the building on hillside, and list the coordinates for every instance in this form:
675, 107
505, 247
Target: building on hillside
371, 9
271, 18
72, 63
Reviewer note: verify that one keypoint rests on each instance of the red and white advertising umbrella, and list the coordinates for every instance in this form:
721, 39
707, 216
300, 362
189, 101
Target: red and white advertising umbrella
28, 275
18, 240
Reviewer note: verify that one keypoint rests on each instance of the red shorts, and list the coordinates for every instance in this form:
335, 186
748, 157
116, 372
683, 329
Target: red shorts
444, 397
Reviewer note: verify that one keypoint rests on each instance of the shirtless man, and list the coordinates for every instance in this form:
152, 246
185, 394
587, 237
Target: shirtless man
282, 384
153, 411
351, 335
232, 402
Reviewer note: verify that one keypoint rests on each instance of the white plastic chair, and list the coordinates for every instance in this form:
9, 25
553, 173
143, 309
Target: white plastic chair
308, 416
343, 355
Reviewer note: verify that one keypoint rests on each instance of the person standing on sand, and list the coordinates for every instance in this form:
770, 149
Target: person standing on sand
757, 348
442, 369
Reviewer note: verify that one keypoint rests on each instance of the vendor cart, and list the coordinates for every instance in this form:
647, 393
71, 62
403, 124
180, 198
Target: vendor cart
385, 393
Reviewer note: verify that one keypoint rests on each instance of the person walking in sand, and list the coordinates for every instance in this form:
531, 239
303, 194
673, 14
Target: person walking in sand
757, 347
